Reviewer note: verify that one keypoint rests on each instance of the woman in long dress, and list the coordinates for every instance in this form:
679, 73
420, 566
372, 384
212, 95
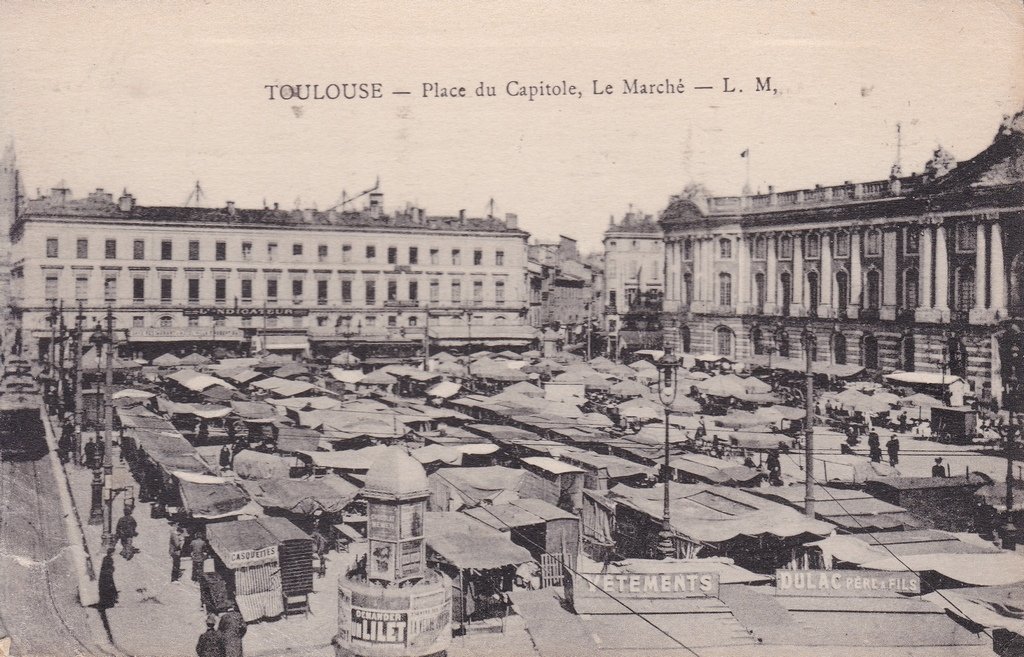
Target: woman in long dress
107, 588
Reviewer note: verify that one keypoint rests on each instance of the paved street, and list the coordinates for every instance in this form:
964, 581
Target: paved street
39, 607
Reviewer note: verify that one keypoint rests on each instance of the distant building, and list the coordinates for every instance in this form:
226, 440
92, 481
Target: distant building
278, 280
921, 273
563, 285
634, 272
10, 191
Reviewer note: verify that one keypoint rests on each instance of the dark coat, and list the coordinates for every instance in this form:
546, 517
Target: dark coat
126, 527
233, 627
211, 644
107, 588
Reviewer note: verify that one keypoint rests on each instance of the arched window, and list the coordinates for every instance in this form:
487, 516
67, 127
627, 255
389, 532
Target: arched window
907, 352
166, 321
843, 289
813, 291
413, 321
724, 289
965, 288
839, 349
757, 339
787, 292
910, 295
760, 291
687, 288
842, 245
725, 248
870, 352
723, 341
782, 341
874, 289
813, 247
684, 338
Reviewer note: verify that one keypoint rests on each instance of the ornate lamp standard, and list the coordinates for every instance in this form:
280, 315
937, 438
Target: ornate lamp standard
808, 340
667, 391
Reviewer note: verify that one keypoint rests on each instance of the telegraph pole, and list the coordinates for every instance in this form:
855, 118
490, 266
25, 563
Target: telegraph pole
108, 425
809, 430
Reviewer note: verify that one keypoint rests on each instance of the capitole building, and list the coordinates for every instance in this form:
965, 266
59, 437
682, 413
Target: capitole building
267, 279
920, 273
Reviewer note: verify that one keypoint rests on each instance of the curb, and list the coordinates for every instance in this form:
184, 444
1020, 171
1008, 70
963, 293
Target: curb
87, 592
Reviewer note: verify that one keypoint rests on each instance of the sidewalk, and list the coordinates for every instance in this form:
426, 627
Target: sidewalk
157, 618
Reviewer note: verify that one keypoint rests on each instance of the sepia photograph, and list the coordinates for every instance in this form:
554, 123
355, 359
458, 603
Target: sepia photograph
520, 329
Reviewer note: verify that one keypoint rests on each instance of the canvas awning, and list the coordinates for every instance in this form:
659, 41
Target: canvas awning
286, 343
301, 496
212, 501
444, 389
465, 543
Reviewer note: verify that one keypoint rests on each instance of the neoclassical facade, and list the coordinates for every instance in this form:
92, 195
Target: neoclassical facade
917, 273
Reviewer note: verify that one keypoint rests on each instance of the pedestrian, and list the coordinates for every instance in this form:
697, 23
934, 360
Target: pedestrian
938, 470
232, 628
107, 588
90, 455
893, 447
176, 547
774, 468
198, 551
320, 549
874, 448
125, 532
101, 450
903, 422
225, 458
211, 642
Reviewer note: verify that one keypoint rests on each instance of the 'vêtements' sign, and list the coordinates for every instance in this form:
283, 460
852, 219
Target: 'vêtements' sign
846, 583
648, 585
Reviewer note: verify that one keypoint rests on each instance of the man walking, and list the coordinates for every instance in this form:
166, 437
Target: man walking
874, 448
125, 532
211, 642
176, 547
232, 627
893, 447
198, 551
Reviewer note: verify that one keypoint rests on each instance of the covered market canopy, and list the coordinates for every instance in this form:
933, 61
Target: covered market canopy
713, 470
466, 543
714, 514
204, 498
301, 496
851, 510
166, 360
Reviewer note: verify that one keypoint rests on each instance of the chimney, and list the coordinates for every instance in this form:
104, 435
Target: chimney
231, 208
462, 217
376, 203
276, 207
126, 202
771, 189
511, 221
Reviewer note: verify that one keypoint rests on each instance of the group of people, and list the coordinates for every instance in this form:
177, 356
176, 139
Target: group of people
892, 446
223, 635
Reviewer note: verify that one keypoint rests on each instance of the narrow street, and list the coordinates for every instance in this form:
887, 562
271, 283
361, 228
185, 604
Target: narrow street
39, 608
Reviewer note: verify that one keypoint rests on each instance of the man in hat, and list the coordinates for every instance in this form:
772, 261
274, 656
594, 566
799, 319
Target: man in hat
211, 642
125, 532
232, 628
198, 550
938, 470
893, 447
175, 548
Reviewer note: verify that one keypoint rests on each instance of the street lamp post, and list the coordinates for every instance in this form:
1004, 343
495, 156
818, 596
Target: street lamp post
96, 506
809, 428
108, 426
667, 391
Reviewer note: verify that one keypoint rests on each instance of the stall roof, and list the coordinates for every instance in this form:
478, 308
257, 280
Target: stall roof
851, 510
465, 543
548, 464
299, 496
713, 470
712, 514
444, 389
616, 467
923, 378
212, 501
248, 410
346, 376
523, 512
227, 538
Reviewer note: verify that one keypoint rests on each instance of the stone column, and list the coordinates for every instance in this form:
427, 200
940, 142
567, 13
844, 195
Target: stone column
771, 304
798, 304
941, 274
890, 262
825, 278
743, 270
997, 303
924, 311
979, 268
856, 275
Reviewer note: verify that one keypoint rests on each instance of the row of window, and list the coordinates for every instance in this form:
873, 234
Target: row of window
964, 289
52, 286
965, 241
343, 323
220, 252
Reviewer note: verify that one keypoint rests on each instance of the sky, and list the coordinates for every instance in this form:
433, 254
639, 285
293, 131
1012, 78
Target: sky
155, 96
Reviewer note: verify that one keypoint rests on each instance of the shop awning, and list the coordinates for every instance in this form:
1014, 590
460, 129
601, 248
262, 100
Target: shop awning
212, 501
444, 390
300, 496
923, 378
285, 343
